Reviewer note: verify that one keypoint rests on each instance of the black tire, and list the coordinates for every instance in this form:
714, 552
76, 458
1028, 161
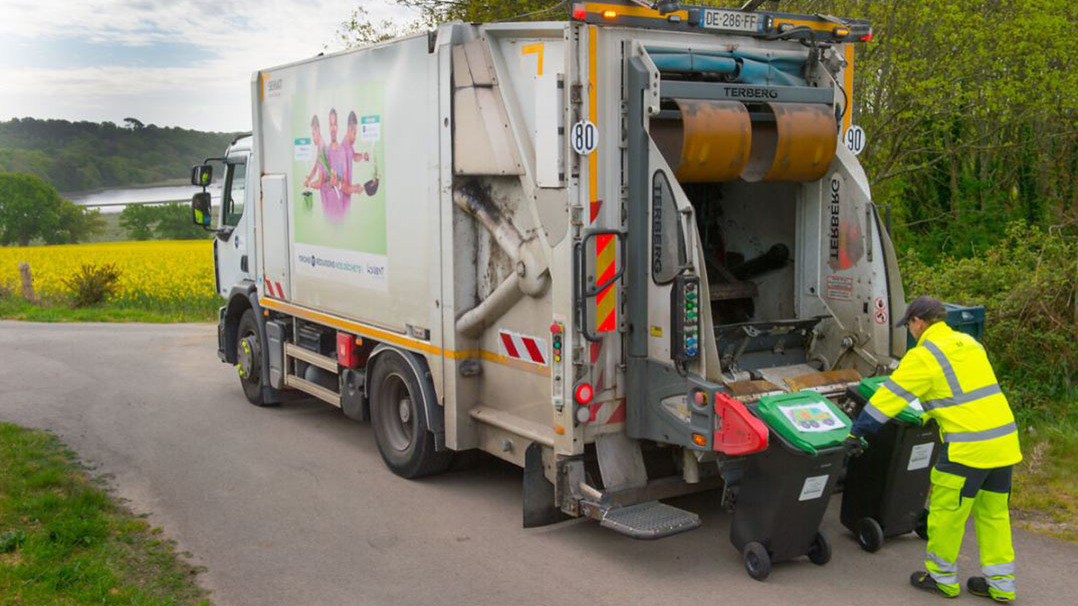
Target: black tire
399, 420
922, 525
249, 354
820, 550
757, 561
869, 535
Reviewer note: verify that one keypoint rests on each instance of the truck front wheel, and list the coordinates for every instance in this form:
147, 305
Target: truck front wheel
399, 420
249, 358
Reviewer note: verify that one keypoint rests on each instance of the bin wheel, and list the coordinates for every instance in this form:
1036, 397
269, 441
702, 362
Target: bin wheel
757, 561
922, 525
869, 535
820, 551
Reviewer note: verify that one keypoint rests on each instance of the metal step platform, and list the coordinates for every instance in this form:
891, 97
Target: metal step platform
651, 520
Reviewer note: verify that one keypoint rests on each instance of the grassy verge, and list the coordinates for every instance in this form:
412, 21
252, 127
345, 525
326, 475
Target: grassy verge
14, 308
1045, 496
63, 540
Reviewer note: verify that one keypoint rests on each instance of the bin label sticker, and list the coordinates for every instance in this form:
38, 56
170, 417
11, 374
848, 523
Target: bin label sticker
813, 487
920, 456
811, 417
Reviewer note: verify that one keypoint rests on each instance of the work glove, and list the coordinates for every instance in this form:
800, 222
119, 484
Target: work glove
854, 445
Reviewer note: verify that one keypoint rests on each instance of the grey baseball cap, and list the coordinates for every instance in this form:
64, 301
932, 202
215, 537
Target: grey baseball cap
925, 308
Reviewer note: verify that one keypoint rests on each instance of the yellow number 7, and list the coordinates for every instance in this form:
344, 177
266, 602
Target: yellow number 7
536, 49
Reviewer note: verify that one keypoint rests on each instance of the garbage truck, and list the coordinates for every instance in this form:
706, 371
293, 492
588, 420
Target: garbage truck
589, 247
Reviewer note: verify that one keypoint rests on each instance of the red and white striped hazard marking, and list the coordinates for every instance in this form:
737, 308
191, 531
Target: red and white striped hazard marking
522, 347
608, 413
274, 289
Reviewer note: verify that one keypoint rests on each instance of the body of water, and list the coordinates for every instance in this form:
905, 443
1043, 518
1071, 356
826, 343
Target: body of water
114, 200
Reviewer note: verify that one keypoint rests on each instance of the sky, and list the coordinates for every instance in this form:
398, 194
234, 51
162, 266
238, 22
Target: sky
184, 63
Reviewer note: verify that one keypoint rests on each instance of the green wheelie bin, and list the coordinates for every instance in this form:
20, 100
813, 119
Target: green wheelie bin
886, 487
784, 491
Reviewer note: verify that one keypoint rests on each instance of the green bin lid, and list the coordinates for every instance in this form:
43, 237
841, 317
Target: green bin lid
804, 419
910, 414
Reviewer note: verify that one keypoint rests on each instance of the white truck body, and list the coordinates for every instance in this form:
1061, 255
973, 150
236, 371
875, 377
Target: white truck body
512, 187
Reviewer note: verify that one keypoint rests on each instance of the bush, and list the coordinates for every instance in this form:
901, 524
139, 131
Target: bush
93, 284
171, 221
1028, 284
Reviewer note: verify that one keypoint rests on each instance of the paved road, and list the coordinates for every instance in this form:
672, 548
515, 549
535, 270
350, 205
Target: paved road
293, 506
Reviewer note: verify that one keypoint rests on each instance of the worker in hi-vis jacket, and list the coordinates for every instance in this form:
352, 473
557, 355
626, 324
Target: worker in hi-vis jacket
949, 373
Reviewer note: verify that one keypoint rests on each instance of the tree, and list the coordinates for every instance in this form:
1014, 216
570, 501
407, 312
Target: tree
29, 208
359, 30
174, 223
138, 220
133, 123
74, 224
170, 221
79, 156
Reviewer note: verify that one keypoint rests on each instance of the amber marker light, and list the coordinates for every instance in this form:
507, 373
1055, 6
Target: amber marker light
609, 14
699, 439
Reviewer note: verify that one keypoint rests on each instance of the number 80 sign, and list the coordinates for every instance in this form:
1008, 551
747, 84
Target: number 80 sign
584, 137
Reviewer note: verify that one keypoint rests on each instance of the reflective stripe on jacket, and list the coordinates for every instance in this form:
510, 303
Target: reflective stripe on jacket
950, 374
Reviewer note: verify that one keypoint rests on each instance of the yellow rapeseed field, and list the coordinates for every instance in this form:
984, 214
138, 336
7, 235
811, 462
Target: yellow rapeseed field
157, 274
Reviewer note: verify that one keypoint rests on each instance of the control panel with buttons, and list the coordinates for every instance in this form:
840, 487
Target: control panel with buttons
685, 316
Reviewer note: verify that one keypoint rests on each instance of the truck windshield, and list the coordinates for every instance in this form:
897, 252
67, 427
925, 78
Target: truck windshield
233, 196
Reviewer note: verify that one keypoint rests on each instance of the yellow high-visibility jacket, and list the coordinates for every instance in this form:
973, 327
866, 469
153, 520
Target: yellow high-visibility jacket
950, 374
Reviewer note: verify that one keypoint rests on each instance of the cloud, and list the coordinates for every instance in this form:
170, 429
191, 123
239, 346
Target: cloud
198, 55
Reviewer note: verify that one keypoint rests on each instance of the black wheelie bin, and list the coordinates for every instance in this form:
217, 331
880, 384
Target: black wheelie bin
886, 487
784, 491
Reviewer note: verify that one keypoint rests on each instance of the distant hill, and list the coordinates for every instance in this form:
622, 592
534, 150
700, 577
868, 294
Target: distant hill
79, 156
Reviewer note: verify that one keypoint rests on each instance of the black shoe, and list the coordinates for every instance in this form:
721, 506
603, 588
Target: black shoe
978, 586
923, 580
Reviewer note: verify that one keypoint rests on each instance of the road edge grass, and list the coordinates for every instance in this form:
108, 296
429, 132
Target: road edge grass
65, 540
14, 308
1044, 498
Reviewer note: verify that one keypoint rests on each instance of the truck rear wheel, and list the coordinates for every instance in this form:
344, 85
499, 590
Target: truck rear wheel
249, 358
399, 419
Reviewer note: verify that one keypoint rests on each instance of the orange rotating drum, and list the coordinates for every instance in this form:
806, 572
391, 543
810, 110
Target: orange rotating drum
717, 141
798, 146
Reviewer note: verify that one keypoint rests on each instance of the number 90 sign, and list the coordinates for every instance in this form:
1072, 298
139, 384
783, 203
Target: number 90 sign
855, 139
584, 137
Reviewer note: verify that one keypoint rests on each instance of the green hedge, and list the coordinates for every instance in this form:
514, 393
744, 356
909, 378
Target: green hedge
1028, 284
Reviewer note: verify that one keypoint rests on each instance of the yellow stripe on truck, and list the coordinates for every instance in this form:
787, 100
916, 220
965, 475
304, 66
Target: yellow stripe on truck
593, 115
397, 339
847, 83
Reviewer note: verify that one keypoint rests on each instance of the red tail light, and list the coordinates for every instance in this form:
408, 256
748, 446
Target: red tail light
583, 393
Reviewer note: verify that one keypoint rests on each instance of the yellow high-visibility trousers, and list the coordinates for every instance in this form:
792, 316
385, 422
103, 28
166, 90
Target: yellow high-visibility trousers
956, 493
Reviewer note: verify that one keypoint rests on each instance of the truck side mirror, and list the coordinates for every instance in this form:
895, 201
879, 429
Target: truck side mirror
200, 208
201, 175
